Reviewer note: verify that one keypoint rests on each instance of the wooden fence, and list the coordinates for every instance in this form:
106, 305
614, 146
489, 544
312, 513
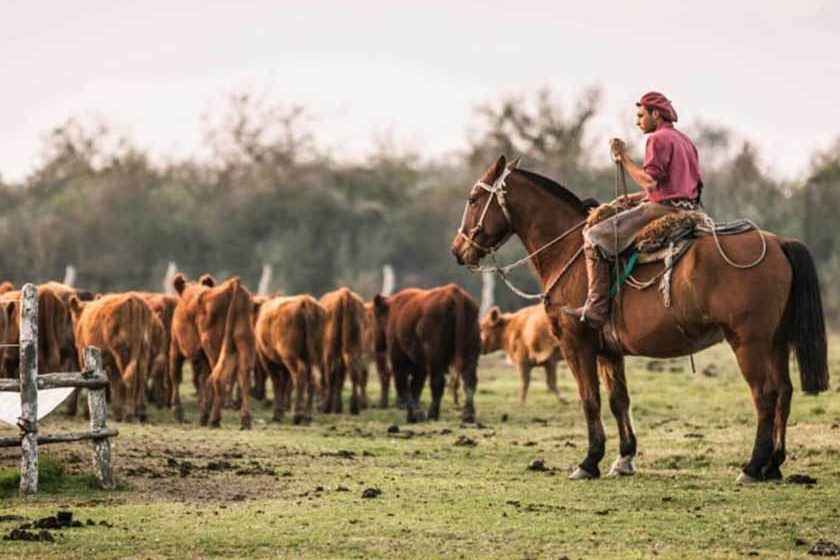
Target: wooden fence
94, 379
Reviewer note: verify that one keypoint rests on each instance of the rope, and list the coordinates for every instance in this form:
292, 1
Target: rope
710, 223
514, 265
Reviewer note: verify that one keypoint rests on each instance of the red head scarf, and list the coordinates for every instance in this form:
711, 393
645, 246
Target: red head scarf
655, 100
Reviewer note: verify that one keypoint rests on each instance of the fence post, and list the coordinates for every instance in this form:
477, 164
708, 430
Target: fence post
28, 421
98, 416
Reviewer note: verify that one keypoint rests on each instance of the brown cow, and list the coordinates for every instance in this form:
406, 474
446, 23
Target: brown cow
343, 349
379, 358
69, 357
526, 338
289, 332
119, 325
426, 332
56, 344
213, 328
163, 307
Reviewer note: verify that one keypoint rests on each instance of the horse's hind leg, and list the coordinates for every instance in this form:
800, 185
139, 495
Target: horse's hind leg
612, 370
754, 359
780, 370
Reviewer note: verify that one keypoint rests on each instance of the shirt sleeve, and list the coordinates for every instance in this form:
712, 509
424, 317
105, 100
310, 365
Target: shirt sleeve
657, 158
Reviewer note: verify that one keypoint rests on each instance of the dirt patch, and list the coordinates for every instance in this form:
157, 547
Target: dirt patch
371, 493
465, 441
824, 548
801, 479
39, 530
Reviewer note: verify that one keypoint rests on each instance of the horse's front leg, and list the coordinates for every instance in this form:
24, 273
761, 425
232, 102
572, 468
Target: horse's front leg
612, 370
580, 357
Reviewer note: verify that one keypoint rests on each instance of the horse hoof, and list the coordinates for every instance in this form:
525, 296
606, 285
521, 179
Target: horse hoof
623, 466
744, 479
245, 423
580, 474
216, 423
297, 419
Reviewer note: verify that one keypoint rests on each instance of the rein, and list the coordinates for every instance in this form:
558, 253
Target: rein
498, 192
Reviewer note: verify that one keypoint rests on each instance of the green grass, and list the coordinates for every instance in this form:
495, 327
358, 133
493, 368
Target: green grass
440, 500
51, 479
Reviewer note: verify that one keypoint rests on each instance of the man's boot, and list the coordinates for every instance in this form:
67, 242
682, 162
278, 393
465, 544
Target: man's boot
596, 310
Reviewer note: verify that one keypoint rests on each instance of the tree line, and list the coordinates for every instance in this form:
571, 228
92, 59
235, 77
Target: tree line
269, 195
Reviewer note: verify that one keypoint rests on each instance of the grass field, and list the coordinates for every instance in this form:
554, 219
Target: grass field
452, 491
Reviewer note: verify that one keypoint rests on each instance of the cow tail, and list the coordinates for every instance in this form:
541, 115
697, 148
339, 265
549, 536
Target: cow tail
467, 340
351, 335
227, 340
312, 328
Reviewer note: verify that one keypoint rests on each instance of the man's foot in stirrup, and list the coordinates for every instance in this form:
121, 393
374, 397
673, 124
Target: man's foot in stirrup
596, 310
587, 316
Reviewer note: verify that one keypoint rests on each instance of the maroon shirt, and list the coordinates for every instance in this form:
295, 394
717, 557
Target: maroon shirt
671, 160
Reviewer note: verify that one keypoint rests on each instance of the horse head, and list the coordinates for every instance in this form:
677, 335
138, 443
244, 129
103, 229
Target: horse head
486, 223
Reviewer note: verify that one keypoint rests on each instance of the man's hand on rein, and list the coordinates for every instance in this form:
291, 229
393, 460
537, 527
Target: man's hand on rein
617, 148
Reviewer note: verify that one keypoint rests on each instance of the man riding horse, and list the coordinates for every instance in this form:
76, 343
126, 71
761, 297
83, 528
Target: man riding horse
669, 178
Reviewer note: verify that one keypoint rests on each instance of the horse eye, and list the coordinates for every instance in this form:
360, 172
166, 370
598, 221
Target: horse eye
473, 198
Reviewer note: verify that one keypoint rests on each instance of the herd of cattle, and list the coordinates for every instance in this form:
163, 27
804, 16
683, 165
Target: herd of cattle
235, 342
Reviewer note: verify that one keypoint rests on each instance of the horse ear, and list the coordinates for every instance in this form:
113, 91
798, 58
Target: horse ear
500, 167
514, 163
207, 280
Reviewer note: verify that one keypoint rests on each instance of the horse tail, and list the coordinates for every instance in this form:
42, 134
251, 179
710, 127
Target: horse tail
806, 322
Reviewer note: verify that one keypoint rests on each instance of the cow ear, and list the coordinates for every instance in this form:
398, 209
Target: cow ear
85, 295
179, 283
495, 314
380, 305
207, 280
10, 307
76, 305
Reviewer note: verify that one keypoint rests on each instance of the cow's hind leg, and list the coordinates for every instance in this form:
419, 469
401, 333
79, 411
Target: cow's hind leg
176, 369
300, 386
218, 383
437, 385
524, 380
385, 375
550, 367
612, 370
244, 365
279, 384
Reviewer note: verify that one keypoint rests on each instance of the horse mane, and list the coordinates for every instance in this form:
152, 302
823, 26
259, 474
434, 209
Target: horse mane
559, 191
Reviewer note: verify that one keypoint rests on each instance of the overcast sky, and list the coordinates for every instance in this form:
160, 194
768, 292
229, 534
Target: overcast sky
414, 71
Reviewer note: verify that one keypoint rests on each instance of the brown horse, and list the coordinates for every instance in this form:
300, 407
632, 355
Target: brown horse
762, 312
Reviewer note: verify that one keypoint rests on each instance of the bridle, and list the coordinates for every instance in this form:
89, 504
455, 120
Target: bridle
498, 192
